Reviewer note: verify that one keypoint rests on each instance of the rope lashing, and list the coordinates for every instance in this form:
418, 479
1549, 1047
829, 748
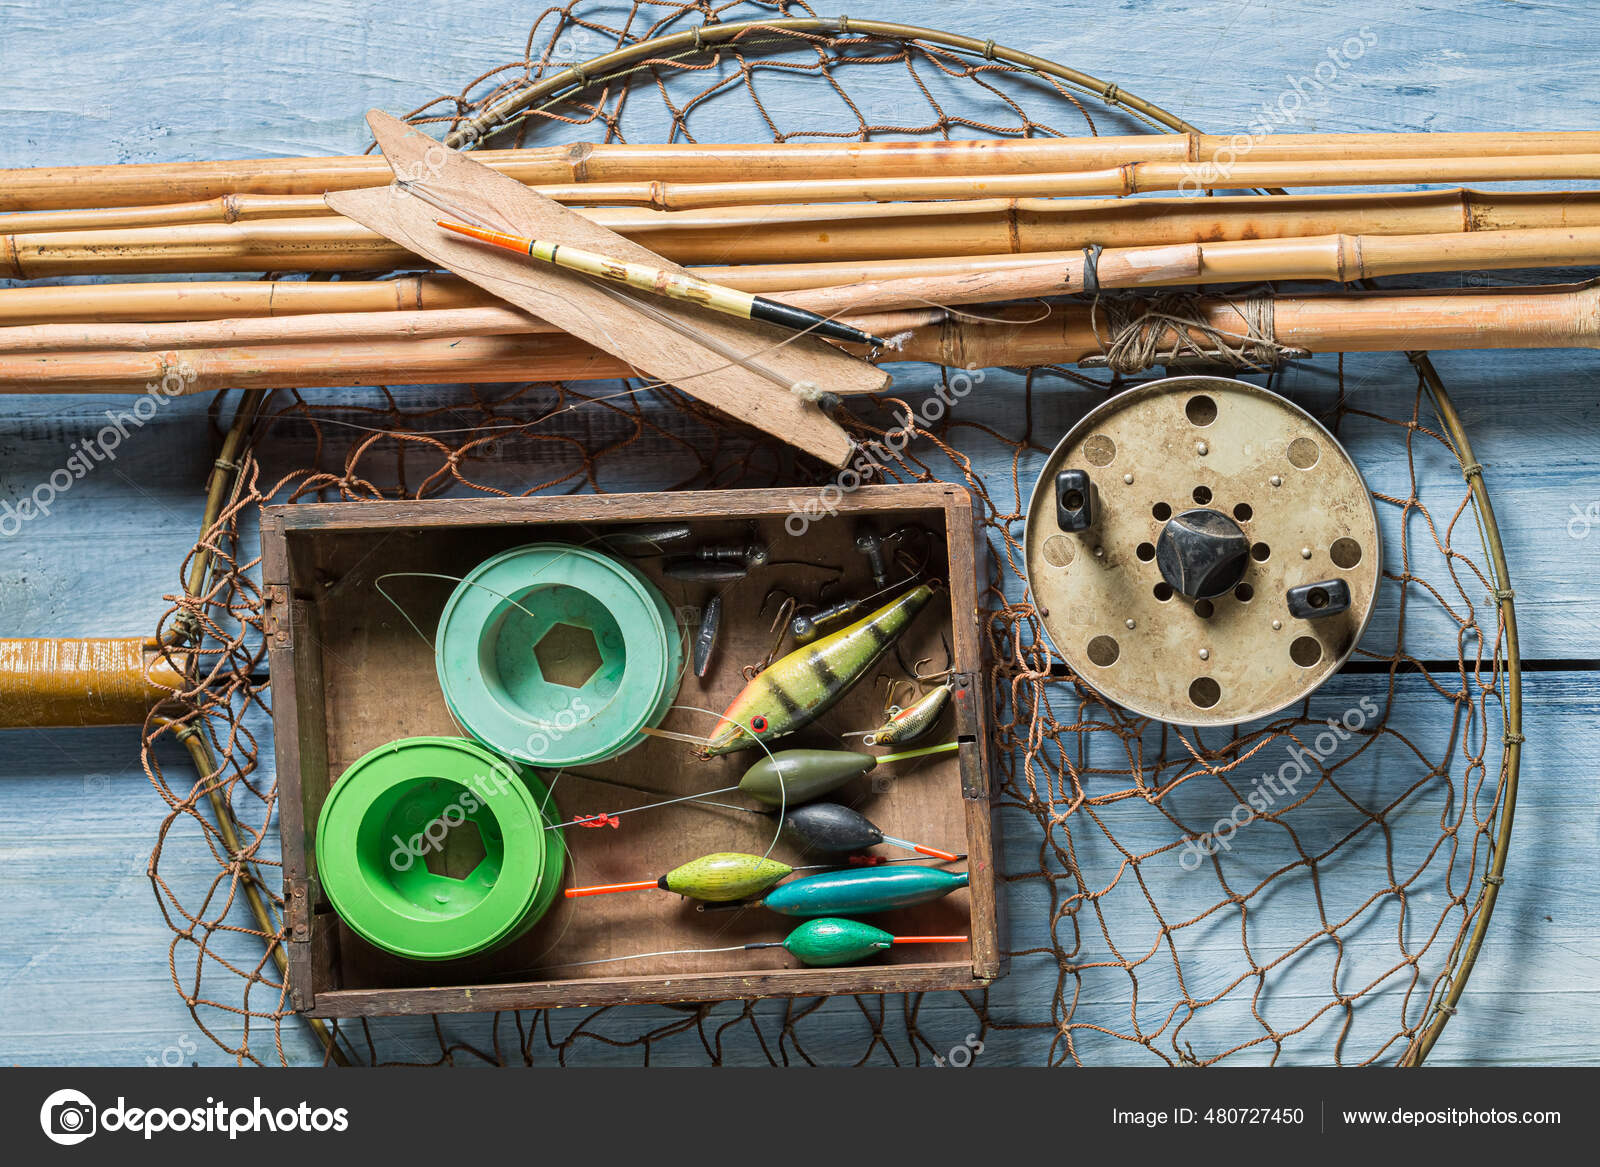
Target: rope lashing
1138, 328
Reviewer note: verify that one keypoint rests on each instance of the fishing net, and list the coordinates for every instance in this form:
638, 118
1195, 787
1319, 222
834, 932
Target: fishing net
1147, 917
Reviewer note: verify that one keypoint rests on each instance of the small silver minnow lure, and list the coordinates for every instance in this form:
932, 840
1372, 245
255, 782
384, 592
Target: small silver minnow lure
912, 722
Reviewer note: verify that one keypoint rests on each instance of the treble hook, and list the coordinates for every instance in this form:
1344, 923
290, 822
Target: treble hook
780, 628
890, 705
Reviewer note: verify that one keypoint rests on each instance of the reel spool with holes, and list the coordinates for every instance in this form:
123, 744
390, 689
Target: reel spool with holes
1202, 551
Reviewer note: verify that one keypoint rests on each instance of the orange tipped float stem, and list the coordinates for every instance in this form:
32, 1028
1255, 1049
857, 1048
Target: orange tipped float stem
498, 238
605, 889
920, 849
930, 940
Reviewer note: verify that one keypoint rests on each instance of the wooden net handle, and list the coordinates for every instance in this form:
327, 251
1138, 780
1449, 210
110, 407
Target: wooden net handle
103, 681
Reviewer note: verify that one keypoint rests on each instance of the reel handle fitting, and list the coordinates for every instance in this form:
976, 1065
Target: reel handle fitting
1074, 500
1202, 553
1314, 600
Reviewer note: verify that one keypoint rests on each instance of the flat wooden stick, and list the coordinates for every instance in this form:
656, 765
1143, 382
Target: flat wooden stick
695, 359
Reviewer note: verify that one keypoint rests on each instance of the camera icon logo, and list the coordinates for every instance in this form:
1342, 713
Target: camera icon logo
68, 1117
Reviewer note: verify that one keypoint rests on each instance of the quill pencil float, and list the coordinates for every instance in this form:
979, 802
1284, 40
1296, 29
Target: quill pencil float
729, 301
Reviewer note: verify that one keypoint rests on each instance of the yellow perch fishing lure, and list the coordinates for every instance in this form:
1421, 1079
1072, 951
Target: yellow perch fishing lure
795, 691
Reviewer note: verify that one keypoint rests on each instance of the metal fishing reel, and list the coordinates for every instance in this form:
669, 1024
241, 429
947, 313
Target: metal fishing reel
1202, 551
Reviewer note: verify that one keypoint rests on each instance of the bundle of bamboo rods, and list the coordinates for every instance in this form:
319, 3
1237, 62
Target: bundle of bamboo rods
431, 306
895, 235
401, 352
1131, 178
858, 232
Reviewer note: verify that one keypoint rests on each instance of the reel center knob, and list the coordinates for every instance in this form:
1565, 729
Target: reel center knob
1202, 553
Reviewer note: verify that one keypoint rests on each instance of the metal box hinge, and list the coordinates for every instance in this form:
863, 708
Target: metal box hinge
275, 617
297, 909
968, 727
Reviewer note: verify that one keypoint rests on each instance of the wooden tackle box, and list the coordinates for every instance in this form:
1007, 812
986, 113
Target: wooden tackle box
350, 673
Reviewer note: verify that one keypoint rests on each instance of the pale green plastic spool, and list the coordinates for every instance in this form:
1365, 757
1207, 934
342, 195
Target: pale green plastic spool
556, 655
381, 839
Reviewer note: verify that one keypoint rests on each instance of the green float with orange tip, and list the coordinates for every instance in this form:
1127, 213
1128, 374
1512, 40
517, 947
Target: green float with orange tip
828, 942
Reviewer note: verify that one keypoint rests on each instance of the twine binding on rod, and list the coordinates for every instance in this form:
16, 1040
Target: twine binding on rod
1135, 329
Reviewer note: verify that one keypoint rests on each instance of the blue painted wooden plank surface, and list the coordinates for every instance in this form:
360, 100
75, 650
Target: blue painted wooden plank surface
83, 951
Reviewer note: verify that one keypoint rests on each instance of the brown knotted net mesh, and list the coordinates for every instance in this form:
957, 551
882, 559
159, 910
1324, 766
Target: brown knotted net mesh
1327, 922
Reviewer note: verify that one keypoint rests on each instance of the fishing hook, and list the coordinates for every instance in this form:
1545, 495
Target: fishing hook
779, 630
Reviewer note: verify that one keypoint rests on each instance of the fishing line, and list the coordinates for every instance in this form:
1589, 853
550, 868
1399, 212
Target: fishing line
782, 782
645, 955
634, 809
439, 203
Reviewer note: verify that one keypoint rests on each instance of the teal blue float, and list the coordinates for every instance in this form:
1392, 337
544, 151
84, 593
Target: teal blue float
557, 655
862, 891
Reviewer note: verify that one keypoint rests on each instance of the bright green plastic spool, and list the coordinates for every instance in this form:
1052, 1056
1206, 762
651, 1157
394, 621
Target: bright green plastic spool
557, 655
395, 846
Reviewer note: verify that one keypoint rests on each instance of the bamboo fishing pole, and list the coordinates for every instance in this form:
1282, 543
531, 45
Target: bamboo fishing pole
226, 209
1340, 258
252, 207
1551, 316
231, 299
1127, 179
1543, 317
825, 233
55, 188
